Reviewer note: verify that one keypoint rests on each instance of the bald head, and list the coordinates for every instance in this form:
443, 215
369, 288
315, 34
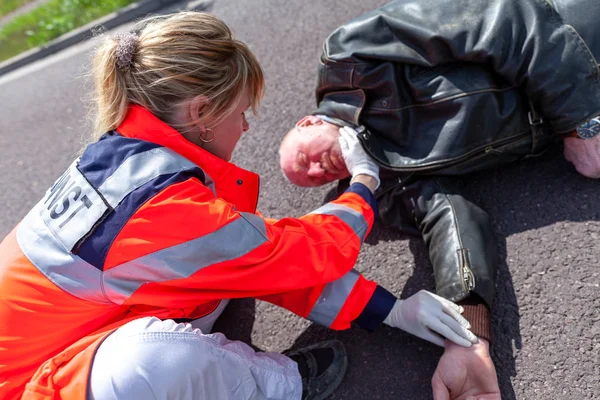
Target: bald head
310, 153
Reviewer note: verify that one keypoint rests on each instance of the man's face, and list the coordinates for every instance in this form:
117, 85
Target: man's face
310, 154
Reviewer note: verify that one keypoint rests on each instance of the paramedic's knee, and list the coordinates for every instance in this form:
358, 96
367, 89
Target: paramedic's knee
146, 359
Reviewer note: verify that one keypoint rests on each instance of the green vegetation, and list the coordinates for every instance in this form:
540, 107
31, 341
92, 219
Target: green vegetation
7, 6
49, 21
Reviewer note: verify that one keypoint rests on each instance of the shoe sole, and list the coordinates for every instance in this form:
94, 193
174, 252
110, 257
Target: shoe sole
336, 383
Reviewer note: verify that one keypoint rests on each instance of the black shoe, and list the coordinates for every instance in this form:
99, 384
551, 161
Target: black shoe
322, 367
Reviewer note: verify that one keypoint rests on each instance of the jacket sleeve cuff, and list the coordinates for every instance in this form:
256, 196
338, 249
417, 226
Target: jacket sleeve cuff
477, 313
377, 309
366, 194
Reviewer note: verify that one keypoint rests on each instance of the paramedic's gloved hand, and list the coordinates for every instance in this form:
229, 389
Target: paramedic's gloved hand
432, 318
356, 159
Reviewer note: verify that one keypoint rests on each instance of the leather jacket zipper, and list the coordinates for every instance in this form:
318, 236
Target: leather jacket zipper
467, 275
452, 162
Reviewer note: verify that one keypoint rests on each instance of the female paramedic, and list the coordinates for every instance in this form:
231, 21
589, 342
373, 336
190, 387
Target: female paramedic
153, 225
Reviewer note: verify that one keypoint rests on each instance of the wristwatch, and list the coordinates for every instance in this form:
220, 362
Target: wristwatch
588, 129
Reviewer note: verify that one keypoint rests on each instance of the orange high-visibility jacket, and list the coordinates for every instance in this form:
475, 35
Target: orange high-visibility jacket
145, 223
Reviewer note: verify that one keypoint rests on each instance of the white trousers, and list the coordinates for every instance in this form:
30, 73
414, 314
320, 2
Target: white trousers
153, 359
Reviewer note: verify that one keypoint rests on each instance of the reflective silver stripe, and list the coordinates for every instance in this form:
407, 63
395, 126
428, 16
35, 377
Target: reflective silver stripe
83, 280
351, 217
52, 257
231, 241
140, 169
65, 270
327, 308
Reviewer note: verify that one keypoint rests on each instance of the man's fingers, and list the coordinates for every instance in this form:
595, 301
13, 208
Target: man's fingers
459, 328
440, 391
445, 331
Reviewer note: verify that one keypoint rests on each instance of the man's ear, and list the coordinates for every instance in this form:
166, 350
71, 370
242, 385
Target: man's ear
309, 120
196, 109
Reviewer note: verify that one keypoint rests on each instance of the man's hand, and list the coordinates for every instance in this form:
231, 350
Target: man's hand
466, 374
585, 155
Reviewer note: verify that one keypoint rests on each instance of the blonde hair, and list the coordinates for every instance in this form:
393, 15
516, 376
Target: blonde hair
175, 58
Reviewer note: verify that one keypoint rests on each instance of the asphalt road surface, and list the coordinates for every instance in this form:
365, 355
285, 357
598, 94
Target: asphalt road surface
546, 320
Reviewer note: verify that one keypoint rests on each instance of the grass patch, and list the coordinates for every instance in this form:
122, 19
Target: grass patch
51, 20
7, 6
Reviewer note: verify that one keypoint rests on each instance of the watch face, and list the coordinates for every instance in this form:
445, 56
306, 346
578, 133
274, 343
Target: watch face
589, 129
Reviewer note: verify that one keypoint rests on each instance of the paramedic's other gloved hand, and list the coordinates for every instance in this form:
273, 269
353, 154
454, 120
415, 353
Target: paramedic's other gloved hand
356, 159
432, 318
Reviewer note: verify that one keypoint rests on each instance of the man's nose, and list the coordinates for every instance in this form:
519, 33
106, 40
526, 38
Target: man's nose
315, 170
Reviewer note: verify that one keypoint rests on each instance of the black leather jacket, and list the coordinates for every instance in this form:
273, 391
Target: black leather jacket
440, 84
444, 87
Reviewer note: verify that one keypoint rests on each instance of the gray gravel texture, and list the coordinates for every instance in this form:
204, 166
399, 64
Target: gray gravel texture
546, 320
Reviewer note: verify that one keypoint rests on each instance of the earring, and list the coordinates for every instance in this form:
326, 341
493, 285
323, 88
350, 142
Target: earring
207, 131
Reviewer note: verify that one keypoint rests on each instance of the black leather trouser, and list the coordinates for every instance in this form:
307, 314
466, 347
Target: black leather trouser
458, 234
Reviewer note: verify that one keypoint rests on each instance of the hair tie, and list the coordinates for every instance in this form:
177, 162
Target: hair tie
127, 43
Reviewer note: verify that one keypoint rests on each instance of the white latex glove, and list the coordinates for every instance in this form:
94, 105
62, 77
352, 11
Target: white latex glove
356, 159
433, 318
585, 155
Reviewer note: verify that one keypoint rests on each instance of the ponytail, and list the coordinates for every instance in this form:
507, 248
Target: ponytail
174, 59
110, 88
